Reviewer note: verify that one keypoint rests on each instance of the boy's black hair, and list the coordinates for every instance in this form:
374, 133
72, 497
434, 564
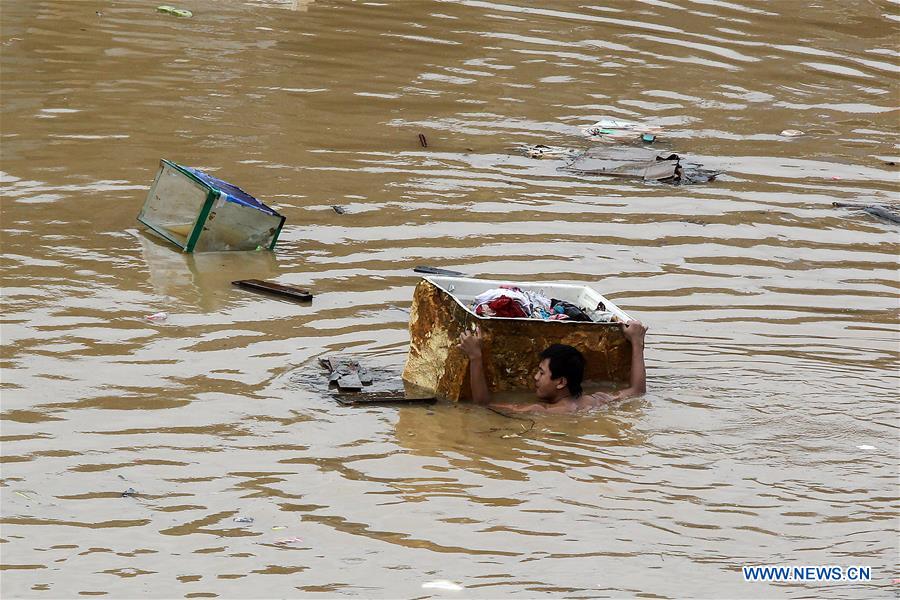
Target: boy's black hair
568, 362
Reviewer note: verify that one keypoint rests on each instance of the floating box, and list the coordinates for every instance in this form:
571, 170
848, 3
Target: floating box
510, 346
200, 213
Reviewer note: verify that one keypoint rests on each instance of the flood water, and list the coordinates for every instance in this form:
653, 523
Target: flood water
769, 434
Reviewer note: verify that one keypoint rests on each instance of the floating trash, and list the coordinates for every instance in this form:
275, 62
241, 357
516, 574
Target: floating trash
792, 133
619, 129
640, 163
177, 12
288, 541
885, 212
243, 519
160, 316
542, 151
129, 493
438, 271
287, 291
199, 212
346, 373
442, 584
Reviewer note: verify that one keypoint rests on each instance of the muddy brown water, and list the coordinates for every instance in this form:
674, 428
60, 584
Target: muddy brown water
769, 434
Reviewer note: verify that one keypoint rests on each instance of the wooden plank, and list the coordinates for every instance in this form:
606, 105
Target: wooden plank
258, 285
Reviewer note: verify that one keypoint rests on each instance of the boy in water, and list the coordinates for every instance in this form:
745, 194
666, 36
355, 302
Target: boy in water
559, 374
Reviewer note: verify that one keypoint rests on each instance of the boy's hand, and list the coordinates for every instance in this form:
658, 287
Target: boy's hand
470, 343
634, 331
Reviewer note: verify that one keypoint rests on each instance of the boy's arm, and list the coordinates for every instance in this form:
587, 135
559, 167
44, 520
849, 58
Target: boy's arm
470, 343
635, 332
519, 408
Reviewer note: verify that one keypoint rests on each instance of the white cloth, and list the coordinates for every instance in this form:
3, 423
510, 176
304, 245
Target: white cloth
517, 295
538, 300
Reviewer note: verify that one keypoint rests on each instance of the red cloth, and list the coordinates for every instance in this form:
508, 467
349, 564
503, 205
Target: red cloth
501, 306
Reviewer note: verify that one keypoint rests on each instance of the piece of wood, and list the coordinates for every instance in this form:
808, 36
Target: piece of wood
351, 378
348, 374
381, 398
258, 285
349, 381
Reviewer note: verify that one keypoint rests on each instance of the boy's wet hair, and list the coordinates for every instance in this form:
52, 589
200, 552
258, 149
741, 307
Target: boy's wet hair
568, 362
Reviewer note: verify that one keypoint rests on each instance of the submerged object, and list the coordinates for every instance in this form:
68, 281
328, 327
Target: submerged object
351, 378
199, 212
883, 214
887, 212
639, 163
441, 311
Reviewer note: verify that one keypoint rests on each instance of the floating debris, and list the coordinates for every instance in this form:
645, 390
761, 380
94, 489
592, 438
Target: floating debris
346, 373
620, 130
542, 151
288, 541
792, 133
442, 584
243, 519
885, 212
160, 316
350, 378
201, 213
438, 271
640, 163
177, 12
882, 213
257, 285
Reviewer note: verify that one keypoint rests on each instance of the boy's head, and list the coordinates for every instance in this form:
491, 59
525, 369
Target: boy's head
561, 367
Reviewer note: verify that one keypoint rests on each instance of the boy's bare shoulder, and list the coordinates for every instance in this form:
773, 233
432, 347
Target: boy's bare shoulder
594, 400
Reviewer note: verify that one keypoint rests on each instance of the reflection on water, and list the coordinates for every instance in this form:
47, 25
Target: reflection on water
201, 279
769, 432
